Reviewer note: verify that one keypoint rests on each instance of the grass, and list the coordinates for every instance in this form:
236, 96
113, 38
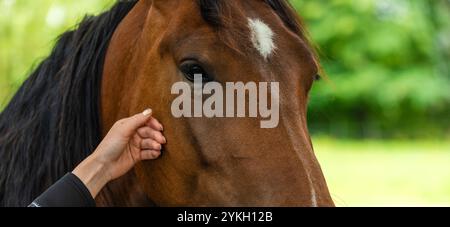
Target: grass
386, 173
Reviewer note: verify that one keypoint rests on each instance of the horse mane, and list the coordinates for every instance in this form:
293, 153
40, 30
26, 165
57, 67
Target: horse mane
215, 13
56, 111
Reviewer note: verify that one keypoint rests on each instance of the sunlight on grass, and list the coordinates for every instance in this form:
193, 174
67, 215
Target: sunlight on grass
386, 173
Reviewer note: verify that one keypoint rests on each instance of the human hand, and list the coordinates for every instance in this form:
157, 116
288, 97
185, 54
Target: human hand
130, 141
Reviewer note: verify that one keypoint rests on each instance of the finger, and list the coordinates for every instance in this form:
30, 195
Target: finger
129, 126
149, 144
150, 155
136, 141
149, 133
155, 124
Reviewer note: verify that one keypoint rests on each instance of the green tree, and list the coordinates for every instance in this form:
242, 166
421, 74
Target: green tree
388, 67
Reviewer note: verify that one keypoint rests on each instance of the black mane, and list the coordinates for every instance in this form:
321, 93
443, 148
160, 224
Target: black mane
212, 12
216, 13
56, 111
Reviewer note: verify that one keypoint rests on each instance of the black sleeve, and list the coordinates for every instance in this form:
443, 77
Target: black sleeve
67, 192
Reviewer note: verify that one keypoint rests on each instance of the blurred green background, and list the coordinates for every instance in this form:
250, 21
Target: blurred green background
380, 121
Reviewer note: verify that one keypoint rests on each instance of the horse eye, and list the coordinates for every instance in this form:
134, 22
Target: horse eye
190, 69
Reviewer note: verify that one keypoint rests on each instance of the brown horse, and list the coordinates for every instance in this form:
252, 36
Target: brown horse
207, 161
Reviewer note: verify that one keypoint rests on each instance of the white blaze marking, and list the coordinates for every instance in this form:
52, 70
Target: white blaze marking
261, 37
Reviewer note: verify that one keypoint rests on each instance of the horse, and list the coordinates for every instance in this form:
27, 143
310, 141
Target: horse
118, 63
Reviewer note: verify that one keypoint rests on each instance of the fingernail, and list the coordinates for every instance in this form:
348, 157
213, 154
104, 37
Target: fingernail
162, 128
147, 112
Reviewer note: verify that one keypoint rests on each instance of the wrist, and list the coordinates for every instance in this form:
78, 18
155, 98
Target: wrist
94, 174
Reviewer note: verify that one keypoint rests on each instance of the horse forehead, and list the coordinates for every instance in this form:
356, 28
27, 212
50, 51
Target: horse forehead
262, 37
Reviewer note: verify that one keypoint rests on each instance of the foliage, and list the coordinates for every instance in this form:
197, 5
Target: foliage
388, 67
28, 31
